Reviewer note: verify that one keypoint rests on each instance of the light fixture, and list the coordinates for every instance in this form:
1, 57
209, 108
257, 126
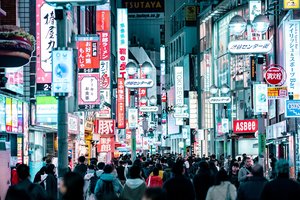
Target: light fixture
225, 89
131, 68
153, 100
146, 68
261, 23
213, 89
143, 100
237, 25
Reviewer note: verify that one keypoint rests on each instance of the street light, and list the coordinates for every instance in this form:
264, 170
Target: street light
153, 100
146, 68
223, 90
131, 68
261, 24
237, 25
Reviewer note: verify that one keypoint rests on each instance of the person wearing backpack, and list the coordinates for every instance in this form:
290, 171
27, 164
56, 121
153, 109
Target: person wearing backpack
90, 180
108, 186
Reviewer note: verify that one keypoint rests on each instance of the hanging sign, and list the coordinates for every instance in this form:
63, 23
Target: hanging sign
104, 126
106, 144
277, 92
139, 83
275, 75
260, 98
219, 100
148, 109
88, 91
291, 4
249, 46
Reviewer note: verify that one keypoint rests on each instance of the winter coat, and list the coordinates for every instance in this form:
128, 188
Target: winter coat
134, 189
81, 169
87, 177
108, 177
219, 192
14, 177
251, 190
202, 182
281, 188
179, 187
51, 186
154, 181
242, 177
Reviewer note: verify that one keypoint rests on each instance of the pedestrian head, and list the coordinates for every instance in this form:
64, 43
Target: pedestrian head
23, 172
154, 194
282, 168
213, 157
159, 166
248, 162
43, 170
81, 159
50, 169
155, 171
257, 170
203, 165
101, 165
135, 172
178, 167
235, 167
71, 186
108, 169
91, 167
221, 176
137, 162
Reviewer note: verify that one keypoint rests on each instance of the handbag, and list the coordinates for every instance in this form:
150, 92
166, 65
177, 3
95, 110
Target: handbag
228, 197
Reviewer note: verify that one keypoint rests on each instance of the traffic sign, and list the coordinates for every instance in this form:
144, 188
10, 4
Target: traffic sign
148, 109
219, 100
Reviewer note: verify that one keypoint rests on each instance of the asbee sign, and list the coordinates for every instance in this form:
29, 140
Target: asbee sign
245, 126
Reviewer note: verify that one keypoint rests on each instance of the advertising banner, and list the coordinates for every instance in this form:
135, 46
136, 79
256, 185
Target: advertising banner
88, 53
105, 104
122, 37
15, 80
104, 75
292, 108
254, 9
121, 104
277, 92
8, 109
2, 113
14, 110
88, 91
245, 126
102, 19
62, 72
20, 117
73, 124
260, 98
225, 125
193, 109
132, 118
179, 93
104, 45
46, 40
292, 58
46, 111
106, 144
104, 126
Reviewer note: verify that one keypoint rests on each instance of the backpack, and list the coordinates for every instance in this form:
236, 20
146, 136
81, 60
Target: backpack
106, 191
93, 182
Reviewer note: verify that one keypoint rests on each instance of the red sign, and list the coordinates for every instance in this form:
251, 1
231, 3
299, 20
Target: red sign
121, 104
106, 144
164, 97
104, 126
88, 57
103, 20
245, 126
275, 76
104, 45
104, 75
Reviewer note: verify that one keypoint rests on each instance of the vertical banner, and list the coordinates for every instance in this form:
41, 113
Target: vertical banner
2, 113
88, 91
8, 114
225, 125
20, 117
104, 46
14, 111
121, 104
292, 58
253, 68
106, 144
179, 93
88, 56
132, 118
260, 95
193, 98
254, 9
122, 37
105, 95
46, 40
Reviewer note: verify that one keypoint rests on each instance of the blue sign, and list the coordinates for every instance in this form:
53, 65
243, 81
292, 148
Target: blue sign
292, 108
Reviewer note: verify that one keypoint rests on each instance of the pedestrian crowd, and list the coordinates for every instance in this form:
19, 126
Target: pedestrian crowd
156, 177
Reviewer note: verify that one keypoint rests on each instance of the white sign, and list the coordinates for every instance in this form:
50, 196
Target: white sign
181, 115
122, 37
148, 109
225, 125
73, 124
139, 83
193, 98
132, 118
62, 71
292, 58
184, 133
254, 9
105, 104
249, 46
260, 95
179, 91
219, 100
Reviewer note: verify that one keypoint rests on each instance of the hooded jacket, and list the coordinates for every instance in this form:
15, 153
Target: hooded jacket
133, 189
108, 177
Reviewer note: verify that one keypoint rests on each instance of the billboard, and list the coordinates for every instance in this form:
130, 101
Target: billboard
46, 111
88, 91
122, 37
292, 108
88, 53
104, 126
2, 113
292, 59
106, 144
15, 80
8, 110
46, 40
121, 104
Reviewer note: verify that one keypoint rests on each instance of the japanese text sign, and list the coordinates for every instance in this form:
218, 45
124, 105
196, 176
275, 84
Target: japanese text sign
121, 104
103, 20
249, 46
88, 90
104, 126
104, 45
88, 57
104, 75
106, 144
122, 37
277, 92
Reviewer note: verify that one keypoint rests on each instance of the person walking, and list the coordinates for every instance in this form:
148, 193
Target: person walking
81, 168
71, 186
135, 186
90, 181
154, 180
40, 177
252, 189
25, 186
245, 171
154, 194
203, 180
282, 187
233, 174
179, 187
14, 175
51, 182
223, 189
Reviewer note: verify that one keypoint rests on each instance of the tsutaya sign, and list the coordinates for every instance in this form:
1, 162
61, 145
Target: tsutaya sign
148, 109
219, 100
249, 46
139, 83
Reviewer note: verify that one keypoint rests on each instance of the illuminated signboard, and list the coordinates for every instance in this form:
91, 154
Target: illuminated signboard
122, 37
15, 80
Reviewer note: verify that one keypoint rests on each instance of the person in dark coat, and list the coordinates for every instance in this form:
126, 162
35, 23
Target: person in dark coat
202, 181
282, 187
233, 174
51, 182
81, 168
179, 187
25, 187
71, 186
252, 189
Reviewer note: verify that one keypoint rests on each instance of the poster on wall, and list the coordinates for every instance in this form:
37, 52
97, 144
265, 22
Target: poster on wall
2, 113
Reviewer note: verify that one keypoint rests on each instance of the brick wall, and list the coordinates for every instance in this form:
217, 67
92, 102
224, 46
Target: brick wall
9, 6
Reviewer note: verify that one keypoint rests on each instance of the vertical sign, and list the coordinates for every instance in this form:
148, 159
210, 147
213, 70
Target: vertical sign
104, 126
122, 37
253, 68
179, 93
8, 115
88, 91
88, 56
20, 117
132, 118
104, 45
121, 104
193, 97
46, 40
225, 125
103, 17
254, 9
292, 58
260, 98
106, 144
14, 110
2, 113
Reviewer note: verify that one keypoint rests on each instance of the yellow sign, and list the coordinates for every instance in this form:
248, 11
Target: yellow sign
277, 92
291, 4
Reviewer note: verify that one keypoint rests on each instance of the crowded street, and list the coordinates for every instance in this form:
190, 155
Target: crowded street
149, 100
